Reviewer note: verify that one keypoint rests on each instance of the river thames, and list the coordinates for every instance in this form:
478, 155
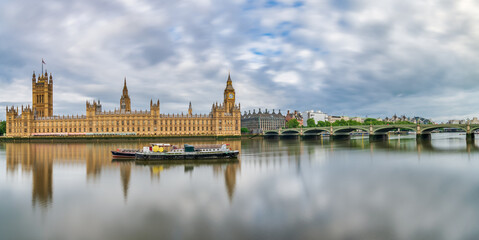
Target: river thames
279, 189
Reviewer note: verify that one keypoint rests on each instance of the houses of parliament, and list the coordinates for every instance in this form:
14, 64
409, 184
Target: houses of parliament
38, 119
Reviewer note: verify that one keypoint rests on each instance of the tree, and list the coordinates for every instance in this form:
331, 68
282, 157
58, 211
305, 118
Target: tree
341, 122
292, 123
311, 123
323, 124
3, 128
244, 130
373, 121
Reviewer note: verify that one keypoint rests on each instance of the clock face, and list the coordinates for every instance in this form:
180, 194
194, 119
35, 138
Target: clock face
231, 96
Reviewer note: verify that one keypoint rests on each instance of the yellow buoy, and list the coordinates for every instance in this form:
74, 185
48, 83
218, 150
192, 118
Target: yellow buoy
161, 149
156, 149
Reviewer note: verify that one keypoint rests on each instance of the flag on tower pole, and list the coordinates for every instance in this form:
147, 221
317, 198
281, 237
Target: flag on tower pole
43, 62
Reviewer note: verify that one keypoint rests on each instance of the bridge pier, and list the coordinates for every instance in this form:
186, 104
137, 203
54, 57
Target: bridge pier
423, 137
340, 137
270, 136
470, 137
311, 136
378, 137
289, 136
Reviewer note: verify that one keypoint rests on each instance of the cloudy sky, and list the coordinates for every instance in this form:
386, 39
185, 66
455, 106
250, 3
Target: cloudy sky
344, 57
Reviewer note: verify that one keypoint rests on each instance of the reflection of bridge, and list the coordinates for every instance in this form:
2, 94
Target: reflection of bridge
376, 132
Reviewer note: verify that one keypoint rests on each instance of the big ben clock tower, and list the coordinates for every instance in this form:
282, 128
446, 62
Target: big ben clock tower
229, 97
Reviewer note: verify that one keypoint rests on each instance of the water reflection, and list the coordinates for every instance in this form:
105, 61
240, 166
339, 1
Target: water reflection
228, 170
40, 159
125, 172
281, 189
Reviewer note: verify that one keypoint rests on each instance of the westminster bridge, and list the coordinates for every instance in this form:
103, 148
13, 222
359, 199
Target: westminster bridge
375, 132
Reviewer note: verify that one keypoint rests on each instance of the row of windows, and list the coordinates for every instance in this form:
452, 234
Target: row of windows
228, 121
47, 130
228, 128
127, 122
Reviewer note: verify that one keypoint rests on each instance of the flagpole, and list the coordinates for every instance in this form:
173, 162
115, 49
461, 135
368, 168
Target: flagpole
42, 67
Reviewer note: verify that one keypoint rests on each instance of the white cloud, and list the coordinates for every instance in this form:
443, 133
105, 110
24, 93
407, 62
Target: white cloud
287, 78
344, 55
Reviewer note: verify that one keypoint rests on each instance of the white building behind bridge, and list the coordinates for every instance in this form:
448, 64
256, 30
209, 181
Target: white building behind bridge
316, 115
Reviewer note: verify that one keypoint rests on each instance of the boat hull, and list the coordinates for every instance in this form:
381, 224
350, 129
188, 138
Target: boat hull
186, 156
126, 155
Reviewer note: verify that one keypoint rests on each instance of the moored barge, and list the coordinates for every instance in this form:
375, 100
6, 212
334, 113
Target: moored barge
189, 152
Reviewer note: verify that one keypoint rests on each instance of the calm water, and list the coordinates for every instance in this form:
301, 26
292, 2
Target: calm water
281, 189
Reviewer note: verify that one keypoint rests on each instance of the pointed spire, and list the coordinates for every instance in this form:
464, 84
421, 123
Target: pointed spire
229, 83
190, 110
125, 88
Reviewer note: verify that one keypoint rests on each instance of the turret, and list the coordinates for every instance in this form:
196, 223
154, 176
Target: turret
155, 108
93, 108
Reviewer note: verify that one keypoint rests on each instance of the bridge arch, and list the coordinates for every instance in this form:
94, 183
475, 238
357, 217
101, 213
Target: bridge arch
474, 128
271, 133
434, 127
349, 129
314, 131
387, 128
290, 132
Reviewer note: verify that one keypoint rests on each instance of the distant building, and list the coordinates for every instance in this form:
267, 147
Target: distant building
474, 120
296, 115
403, 118
420, 120
456, 122
317, 116
345, 118
258, 122
395, 118
337, 118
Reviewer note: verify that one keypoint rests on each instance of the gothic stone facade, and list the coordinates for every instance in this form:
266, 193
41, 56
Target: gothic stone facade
38, 119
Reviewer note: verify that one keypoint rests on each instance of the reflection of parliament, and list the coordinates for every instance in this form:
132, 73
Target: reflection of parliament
38, 119
41, 159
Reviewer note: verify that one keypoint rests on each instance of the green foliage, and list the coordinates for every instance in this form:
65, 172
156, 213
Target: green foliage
244, 130
292, 123
323, 124
343, 122
373, 121
3, 128
311, 123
